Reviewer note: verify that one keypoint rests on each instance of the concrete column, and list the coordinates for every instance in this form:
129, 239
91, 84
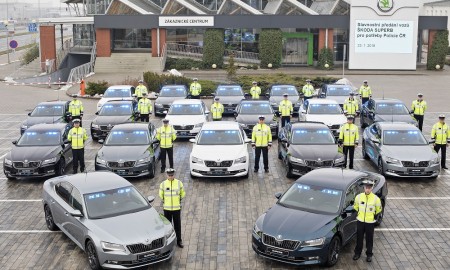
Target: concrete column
48, 45
103, 38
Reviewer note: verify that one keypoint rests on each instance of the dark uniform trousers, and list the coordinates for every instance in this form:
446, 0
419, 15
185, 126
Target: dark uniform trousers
169, 152
265, 153
217, 119
364, 100
349, 150
419, 119
443, 149
145, 118
195, 97
78, 156
78, 117
285, 120
367, 229
175, 216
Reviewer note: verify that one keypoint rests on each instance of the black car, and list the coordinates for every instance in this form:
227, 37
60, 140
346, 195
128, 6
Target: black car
130, 150
306, 146
41, 151
229, 96
275, 95
338, 92
167, 95
248, 111
385, 110
113, 113
314, 218
47, 113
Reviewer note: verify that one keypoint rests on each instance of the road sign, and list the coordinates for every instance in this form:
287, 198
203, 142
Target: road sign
32, 27
3, 26
13, 44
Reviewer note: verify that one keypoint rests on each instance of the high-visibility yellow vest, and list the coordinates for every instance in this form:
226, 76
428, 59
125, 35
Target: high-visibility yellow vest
349, 134
217, 110
261, 135
77, 137
166, 136
350, 106
255, 91
195, 89
418, 107
171, 193
76, 107
365, 92
308, 90
286, 108
440, 133
367, 207
140, 90
145, 106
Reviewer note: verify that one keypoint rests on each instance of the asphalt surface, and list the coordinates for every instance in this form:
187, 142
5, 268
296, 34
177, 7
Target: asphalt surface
218, 214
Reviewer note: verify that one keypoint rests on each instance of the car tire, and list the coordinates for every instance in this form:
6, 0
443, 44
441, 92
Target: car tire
49, 219
280, 157
363, 124
364, 153
152, 169
60, 168
92, 256
333, 251
380, 215
289, 173
380, 167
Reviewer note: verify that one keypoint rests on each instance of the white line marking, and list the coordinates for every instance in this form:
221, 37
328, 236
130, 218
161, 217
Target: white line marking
29, 231
5, 121
20, 200
419, 198
412, 229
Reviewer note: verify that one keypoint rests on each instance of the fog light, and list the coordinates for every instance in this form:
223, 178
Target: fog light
112, 262
313, 258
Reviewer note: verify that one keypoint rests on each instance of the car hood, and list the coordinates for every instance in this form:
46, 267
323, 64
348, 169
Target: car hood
338, 99
313, 152
219, 152
183, 120
395, 118
295, 224
327, 119
33, 153
230, 99
43, 120
113, 120
103, 100
252, 119
125, 153
409, 152
278, 99
167, 100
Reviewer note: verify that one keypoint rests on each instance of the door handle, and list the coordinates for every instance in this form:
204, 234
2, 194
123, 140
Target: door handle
52, 201
66, 213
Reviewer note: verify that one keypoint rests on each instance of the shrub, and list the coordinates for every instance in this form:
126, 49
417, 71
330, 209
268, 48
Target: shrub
436, 56
270, 47
182, 64
213, 47
325, 57
231, 68
98, 87
31, 54
208, 87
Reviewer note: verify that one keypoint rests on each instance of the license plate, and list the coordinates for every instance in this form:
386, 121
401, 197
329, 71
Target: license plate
277, 252
121, 172
416, 170
25, 171
183, 133
218, 170
146, 256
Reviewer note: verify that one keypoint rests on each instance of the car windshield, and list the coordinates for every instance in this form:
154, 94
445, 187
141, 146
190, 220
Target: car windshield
255, 108
114, 202
391, 108
312, 136
48, 110
403, 137
185, 109
338, 90
220, 137
115, 109
280, 90
113, 93
229, 91
324, 109
312, 198
172, 92
40, 138
127, 137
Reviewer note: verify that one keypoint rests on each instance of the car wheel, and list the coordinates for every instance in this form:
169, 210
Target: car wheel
333, 251
60, 167
49, 219
289, 170
280, 157
92, 256
152, 169
380, 215
380, 167
363, 124
364, 153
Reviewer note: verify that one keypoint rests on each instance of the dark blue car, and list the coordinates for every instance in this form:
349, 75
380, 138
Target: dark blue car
314, 218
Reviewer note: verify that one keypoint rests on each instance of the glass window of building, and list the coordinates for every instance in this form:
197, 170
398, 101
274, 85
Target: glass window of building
241, 39
97, 6
83, 35
340, 38
126, 39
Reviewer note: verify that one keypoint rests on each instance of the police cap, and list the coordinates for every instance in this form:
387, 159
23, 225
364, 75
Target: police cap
165, 120
441, 116
368, 182
76, 121
170, 171
261, 117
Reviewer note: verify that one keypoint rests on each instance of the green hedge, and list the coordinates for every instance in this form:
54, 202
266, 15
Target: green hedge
31, 54
270, 47
98, 87
325, 57
155, 81
213, 48
182, 63
436, 56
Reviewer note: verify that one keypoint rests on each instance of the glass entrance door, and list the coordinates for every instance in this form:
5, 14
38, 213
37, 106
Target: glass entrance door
295, 51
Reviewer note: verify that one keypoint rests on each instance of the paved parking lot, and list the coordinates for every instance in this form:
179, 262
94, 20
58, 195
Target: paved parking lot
218, 215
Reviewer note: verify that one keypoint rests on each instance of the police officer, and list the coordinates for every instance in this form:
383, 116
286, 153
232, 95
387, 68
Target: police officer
166, 135
141, 89
171, 192
77, 136
261, 142
255, 91
307, 90
368, 206
351, 105
145, 108
365, 92
286, 110
76, 109
349, 138
217, 110
195, 89
441, 136
418, 108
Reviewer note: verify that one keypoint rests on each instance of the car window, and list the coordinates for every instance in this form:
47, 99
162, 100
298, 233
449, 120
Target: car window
403, 137
173, 91
255, 108
186, 109
324, 109
219, 137
128, 137
391, 109
48, 110
112, 93
312, 136
40, 138
285, 89
64, 189
338, 91
115, 109
76, 200
350, 195
232, 90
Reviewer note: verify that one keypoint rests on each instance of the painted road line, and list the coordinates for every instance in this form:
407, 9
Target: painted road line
412, 229
419, 198
20, 200
29, 231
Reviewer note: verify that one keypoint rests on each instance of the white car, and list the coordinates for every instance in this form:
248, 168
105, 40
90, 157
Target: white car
220, 150
187, 116
116, 92
326, 111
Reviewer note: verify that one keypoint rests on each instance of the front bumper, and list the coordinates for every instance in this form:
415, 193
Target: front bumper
236, 170
400, 171
183, 134
136, 171
301, 169
99, 134
227, 109
42, 171
160, 110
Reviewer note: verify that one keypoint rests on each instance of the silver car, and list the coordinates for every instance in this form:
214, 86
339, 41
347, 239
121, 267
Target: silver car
107, 217
400, 149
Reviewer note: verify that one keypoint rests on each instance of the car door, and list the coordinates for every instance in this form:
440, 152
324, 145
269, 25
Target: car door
285, 145
371, 112
67, 148
372, 133
60, 203
74, 225
349, 219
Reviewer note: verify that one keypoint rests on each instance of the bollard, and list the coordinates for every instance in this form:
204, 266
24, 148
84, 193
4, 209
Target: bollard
49, 80
82, 87
59, 83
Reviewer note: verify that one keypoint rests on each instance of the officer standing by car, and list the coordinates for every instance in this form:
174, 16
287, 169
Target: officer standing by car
368, 206
255, 91
166, 135
171, 192
76, 109
348, 139
217, 110
440, 133
77, 136
286, 110
145, 108
195, 89
307, 90
365, 92
140, 90
418, 108
351, 105
261, 142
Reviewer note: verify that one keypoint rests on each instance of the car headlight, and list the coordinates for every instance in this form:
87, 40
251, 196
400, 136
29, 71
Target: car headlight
339, 160
432, 162
100, 161
392, 160
296, 160
273, 103
106, 246
257, 231
94, 126
313, 243
198, 125
240, 160
24, 127
7, 161
158, 105
143, 160
243, 125
49, 161
197, 160
170, 233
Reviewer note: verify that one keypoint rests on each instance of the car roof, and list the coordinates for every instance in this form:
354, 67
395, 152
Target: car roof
131, 126
311, 124
338, 85
282, 84
397, 125
322, 101
335, 178
234, 85
44, 127
55, 102
254, 101
187, 101
388, 100
120, 87
173, 85
120, 101
220, 125
95, 181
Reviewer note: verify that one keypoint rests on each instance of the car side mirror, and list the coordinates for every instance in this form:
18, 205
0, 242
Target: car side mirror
267, 94
284, 140
29, 114
192, 140
151, 199
164, 112
14, 142
101, 141
207, 112
375, 140
96, 113
235, 114
246, 95
349, 209
278, 195
76, 213
248, 140
322, 95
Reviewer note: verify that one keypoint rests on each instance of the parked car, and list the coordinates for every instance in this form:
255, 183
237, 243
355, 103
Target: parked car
399, 149
187, 116
275, 95
41, 151
314, 219
47, 113
230, 95
248, 111
167, 95
109, 219
306, 146
326, 111
337, 92
116, 92
385, 110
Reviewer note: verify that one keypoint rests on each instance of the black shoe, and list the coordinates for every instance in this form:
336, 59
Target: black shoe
255, 170
180, 244
369, 258
163, 169
445, 168
356, 257
266, 170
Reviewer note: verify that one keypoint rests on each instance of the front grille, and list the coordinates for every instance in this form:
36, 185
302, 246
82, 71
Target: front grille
189, 127
417, 164
166, 106
316, 163
125, 164
28, 164
284, 244
106, 128
225, 163
334, 126
140, 248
